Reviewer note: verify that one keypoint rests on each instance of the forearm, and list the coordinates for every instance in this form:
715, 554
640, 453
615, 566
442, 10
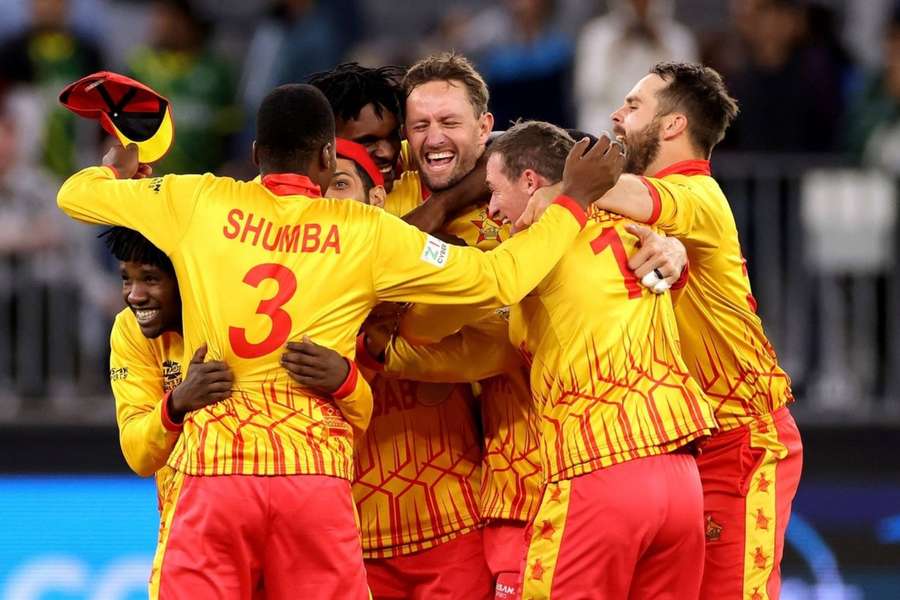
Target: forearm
463, 357
147, 439
441, 206
631, 198
354, 399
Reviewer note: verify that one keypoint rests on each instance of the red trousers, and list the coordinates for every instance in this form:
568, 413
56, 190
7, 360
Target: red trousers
627, 532
454, 570
504, 548
241, 537
750, 476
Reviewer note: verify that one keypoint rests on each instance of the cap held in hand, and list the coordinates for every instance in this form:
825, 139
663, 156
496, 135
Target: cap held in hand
127, 109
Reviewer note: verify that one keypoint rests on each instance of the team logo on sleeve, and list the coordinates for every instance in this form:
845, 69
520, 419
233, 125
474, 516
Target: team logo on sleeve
155, 184
171, 375
435, 252
118, 373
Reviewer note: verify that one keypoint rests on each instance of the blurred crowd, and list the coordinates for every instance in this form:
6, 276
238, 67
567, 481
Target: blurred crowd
813, 78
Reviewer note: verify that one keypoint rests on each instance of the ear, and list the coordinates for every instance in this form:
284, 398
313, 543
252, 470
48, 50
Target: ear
485, 127
254, 154
530, 181
377, 196
674, 125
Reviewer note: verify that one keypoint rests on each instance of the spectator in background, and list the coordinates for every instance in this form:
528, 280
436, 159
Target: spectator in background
790, 86
47, 275
873, 135
200, 85
617, 49
47, 56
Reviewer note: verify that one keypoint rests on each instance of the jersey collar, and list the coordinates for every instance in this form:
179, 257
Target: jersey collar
291, 184
686, 167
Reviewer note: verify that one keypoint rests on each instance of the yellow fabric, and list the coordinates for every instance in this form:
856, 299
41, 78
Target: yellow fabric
418, 467
546, 539
512, 479
478, 229
257, 270
722, 338
141, 371
606, 375
407, 191
761, 509
168, 500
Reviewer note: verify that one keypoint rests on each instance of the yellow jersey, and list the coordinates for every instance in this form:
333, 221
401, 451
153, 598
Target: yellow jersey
262, 263
722, 338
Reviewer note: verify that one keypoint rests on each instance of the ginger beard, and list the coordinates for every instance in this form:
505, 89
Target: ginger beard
642, 146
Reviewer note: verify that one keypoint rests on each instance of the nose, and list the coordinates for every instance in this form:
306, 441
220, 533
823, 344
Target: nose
493, 208
382, 150
137, 294
434, 136
617, 116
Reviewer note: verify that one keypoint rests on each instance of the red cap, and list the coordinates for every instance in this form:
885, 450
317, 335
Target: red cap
126, 108
358, 154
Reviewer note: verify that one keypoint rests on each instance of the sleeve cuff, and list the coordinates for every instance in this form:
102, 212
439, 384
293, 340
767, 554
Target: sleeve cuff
349, 384
366, 360
115, 171
573, 207
654, 197
167, 421
685, 275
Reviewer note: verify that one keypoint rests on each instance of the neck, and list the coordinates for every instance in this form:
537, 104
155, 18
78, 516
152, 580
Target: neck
669, 154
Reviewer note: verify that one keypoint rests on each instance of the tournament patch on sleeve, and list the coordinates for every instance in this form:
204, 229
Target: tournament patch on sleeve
435, 252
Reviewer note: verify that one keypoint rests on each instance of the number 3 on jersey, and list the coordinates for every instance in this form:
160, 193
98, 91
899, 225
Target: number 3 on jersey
281, 320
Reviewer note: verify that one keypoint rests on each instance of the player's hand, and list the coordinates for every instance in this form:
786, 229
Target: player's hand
206, 383
537, 204
589, 175
315, 367
659, 262
125, 161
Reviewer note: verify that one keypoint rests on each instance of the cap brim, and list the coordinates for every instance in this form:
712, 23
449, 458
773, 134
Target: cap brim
154, 147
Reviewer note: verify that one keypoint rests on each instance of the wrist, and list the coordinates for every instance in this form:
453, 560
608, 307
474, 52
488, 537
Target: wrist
172, 420
349, 384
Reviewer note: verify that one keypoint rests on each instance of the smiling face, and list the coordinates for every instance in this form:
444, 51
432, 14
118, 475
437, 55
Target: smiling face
444, 133
637, 124
508, 197
152, 295
380, 136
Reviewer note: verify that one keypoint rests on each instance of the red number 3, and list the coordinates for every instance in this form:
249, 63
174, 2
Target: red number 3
281, 320
608, 238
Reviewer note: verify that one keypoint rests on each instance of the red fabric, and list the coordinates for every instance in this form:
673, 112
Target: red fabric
358, 154
657, 203
454, 569
573, 207
634, 530
294, 536
291, 184
84, 98
166, 419
349, 383
683, 278
727, 465
504, 548
686, 167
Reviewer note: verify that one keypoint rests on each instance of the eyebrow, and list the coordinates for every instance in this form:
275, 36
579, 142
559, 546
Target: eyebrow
632, 98
344, 173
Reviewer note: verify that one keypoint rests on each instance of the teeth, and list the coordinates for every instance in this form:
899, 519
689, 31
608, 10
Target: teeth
145, 315
386, 169
438, 155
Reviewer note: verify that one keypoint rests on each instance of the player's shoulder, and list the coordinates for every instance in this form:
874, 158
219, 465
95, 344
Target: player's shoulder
126, 331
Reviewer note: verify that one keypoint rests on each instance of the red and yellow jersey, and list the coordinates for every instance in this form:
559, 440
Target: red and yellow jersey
260, 264
418, 467
512, 479
722, 338
606, 370
141, 372
478, 229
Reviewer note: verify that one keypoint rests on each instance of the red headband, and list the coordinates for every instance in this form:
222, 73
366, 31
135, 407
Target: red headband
358, 154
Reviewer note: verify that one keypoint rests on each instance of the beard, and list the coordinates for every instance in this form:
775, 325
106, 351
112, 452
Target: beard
464, 166
643, 148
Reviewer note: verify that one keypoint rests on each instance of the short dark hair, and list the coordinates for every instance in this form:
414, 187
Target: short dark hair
536, 145
700, 93
349, 87
450, 66
294, 121
127, 245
